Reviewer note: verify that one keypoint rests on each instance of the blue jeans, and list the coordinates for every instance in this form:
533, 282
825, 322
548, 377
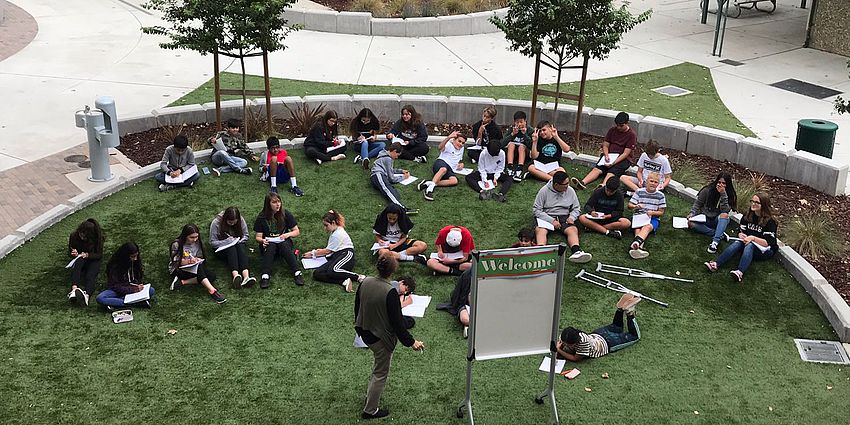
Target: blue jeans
614, 335
160, 177
368, 149
749, 252
713, 226
112, 299
228, 163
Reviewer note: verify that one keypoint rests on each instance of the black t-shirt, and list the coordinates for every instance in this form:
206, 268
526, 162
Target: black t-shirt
549, 149
269, 227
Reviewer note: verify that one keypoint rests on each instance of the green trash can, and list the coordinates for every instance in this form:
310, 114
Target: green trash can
816, 136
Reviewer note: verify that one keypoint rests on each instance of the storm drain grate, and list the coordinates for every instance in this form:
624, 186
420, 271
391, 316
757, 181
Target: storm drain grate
76, 158
731, 62
672, 91
806, 89
821, 351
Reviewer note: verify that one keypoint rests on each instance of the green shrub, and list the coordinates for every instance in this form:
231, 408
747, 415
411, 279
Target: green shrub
303, 117
686, 172
813, 235
746, 188
375, 6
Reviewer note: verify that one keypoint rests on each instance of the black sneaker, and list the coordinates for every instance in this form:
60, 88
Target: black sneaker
296, 191
421, 159
264, 283
725, 237
429, 195
246, 171
422, 185
500, 197
420, 258
381, 413
176, 283
616, 234
365, 163
237, 281
82, 297
249, 282
484, 195
218, 298
411, 211
517, 175
299, 280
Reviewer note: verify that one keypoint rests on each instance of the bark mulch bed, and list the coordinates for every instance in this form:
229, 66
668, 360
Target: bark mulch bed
789, 199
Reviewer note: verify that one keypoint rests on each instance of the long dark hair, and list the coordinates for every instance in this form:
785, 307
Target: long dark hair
415, 118
269, 214
181, 241
766, 212
330, 132
120, 261
356, 123
224, 229
714, 195
90, 231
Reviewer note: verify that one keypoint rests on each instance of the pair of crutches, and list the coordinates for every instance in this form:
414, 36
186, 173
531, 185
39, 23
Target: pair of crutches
625, 271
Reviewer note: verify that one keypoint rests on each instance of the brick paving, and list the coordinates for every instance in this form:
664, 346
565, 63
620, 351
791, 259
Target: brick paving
17, 29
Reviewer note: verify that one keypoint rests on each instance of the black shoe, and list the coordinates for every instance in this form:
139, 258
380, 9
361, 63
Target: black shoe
299, 280
237, 281
411, 211
422, 185
365, 163
381, 413
421, 259
429, 195
247, 171
247, 283
500, 197
82, 297
264, 283
616, 234
218, 298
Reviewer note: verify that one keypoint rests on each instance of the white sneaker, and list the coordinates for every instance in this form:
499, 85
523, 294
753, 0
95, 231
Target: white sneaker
217, 172
82, 297
318, 161
357, 159
348, 285
637, 254
465, 332
581, 257
72, 296
174, 283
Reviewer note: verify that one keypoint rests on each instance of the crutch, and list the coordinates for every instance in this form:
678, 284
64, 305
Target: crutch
614, 286
625, 271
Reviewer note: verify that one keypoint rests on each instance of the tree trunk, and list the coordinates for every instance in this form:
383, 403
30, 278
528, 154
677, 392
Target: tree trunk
534, 90
581, 100
217, 91
244, 97
270, 123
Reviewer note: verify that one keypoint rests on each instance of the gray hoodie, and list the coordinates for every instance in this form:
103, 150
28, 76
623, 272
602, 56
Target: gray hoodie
701, 205
384, 165
549, 202
172, 161
215, 227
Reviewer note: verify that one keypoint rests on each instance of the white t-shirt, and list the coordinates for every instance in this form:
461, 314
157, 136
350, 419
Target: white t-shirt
451, 155
393, 233
660, 164
339, 240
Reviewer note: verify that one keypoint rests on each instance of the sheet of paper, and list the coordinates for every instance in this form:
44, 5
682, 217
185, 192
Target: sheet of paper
640, 220
547, 361
546, 168
449, 255
475, 147
192, 268
545, 224
761, 248
219, 145
680, 223
611, 158
358, 342
485, 185
187, 173
698, 218
313, 263
464, 171
598, 216
570, 155
233, 241
408, 180
417, 309
341, 143
376, 246
71, 264
143, 295
276, 239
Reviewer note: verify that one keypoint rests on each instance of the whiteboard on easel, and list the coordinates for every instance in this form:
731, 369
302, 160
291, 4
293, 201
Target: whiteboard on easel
515, 301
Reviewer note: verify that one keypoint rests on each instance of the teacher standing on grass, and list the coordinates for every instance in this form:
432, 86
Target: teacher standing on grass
378, 321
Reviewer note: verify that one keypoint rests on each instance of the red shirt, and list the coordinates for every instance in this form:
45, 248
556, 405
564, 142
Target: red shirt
618, 141
466, 242
281, 156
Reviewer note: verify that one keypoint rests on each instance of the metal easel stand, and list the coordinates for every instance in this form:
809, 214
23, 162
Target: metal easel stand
626, 271
614, 286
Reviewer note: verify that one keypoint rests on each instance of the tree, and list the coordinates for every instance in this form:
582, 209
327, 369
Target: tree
233, 28
558, 31
842, 106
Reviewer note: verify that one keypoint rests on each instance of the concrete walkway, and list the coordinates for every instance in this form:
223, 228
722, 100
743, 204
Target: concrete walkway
86, 49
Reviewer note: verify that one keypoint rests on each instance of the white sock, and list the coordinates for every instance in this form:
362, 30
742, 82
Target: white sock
274, 181
607, 231
404, 257
264, 276
292, 182
431, 185
298, 273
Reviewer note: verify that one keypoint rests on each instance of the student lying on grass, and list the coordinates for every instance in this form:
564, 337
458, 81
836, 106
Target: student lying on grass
86, 245
652, 202
405, 286
188, 250
392, 227
575, 345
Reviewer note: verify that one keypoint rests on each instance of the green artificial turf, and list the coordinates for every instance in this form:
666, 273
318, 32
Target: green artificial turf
284, 355
631, 93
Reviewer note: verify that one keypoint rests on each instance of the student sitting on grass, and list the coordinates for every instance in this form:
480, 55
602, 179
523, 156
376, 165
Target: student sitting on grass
276, 164
384, 175
605, 205
557, 203
525, 238
411, 133
339, 252
575, 345
452, 240
229, 228
756, 240
491, 174
620, 140
483, 132
176, 159
405, 285
86, 245
124, 274
234, 156
322, 144
650, 161
715, 200
517, 143
276, 222
391, 229
652, 202
546, 149
187, 250
449, 161
364, 130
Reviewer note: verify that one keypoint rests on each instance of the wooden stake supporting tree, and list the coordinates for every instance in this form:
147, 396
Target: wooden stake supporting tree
555, 32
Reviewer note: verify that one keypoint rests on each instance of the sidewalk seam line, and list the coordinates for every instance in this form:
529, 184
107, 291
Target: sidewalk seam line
365, 58
463, 61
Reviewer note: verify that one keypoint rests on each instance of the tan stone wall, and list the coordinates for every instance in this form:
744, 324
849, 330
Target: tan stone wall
831, 27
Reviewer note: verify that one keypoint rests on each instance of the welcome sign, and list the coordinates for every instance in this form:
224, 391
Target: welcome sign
519, 264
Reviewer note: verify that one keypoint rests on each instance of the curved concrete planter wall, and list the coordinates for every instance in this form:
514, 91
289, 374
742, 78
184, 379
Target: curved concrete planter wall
363, 23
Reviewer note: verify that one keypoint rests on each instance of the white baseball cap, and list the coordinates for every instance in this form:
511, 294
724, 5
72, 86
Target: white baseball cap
454, 237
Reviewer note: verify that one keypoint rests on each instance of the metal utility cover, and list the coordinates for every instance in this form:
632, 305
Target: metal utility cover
806, 89
821, 351
731, 62
672, 91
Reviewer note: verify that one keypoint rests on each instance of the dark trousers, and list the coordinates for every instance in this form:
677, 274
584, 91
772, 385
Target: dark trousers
235, 257
203, 273
505, 181
284, 249
84, 273
473, 154
338, 268
412, 151
614, 335
323, 154
381, 182
160, 177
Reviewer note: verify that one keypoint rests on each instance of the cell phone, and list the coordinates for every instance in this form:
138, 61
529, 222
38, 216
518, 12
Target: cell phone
206, 170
